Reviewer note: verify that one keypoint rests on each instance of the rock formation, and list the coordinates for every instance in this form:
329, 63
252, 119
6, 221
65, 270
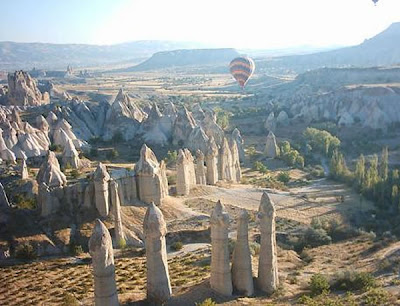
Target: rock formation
236, 169
192, 172
200, 169
242, 275
101, 187
271, 148
225, 167
50, 172
101, 251
151, 177
221, 277
155, 229
270, 123
24, 170
119, 231
183, 181
237, 137
70, 155
183, 127
23, 91
211, 162
268, 279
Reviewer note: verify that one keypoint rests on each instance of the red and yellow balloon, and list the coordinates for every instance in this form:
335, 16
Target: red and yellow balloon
242, 69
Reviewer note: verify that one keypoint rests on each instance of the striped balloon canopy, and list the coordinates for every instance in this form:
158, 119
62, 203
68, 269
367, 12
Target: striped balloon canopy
241, 69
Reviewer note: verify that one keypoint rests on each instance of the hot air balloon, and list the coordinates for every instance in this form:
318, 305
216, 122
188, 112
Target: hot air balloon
375, 1
241, 69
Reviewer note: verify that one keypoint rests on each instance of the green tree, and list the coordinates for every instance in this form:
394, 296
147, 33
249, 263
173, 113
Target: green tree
384, 164
360, 172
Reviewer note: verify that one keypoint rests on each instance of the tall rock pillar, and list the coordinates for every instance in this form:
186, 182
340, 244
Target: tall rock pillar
200, 168
211, 162
116, 205
101, 186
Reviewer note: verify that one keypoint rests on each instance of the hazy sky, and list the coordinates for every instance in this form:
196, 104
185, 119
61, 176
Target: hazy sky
228, 23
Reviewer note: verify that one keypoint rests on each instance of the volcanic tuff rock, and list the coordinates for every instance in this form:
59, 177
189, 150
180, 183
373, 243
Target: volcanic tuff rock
101, 187
50, 172
23, 91
271, 148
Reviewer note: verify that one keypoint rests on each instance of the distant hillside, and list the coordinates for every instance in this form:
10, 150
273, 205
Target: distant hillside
58, 56
381, 50
180, 58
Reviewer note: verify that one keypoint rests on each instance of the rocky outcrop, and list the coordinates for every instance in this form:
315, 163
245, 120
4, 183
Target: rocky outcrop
267, 280
200, 169
282, 119
23, 91
183, 180
155, 130
24, 170
118, 229
101, 188
158, 282
270, 123
237, 137
221, 277
211, 128
212, 162
242, 275
192, 171
271, 148
151, 177
50, 172
225, 167
101, 251
236, 169
70, 155
183, 127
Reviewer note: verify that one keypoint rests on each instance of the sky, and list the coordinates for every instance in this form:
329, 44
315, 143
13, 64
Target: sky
256, 24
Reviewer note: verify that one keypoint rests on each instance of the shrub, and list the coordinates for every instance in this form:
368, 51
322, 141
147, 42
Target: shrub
74, 173
177, 246
25, 251
112, 154
283, 177
171, 158
69, 300
23, 202
55, 148
251, 151
313, 238
75, 249
352, 280
171, 179
377, 296
318, 284
259, 166
122, 243
207, 302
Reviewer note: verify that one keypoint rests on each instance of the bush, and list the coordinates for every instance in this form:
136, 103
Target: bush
69, 300
318, 284
171, 179
113, 154
352, 280
75, 249
259, 166
74, 173
251, 151
23, 202
283, 177
171, 158
207, 302
25, 251
55, 148
122, 244
377, 296
177, 246
313, 238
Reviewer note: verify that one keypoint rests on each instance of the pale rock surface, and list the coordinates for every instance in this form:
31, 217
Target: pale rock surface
221, 277
271, 148
211, 128
242, 276
3, 198
270, 123
119, 231
192, 171
183, 127
101, 251
158, 282
23, 91
50, 172
212, 162
267, 280
236, 169
197, 140
24, 170
183, 181
151, 177
225, 167
153, 129
200, 169
282, 119
237, 136
70, 155
101, 188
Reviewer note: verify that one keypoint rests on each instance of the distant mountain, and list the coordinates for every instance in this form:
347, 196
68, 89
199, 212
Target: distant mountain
381, 50
184, 58
57, 56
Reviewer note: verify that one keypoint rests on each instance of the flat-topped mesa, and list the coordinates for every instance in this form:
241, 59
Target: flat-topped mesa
237, 136
267, 280
50, 172
151, 177
271, 148
183, 174
212, 162
200, 169
221, 277
116, 205
225, 167
23, 91
24, 170
101, 188
101, 251
242, 276
236, 169
158, 282
70, 155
